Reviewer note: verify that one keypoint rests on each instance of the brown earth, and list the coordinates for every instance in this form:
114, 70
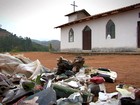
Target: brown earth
126, 66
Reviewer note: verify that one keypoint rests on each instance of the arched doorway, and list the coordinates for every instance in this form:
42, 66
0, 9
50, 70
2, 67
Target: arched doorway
138, 37
86, 38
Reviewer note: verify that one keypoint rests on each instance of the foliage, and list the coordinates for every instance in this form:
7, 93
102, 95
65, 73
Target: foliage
13, 43
50, 47
53, 45
38, 47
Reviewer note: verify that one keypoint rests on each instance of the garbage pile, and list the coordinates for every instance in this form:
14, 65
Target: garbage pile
26, 82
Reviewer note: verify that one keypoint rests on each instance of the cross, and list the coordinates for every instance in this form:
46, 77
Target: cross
74, 6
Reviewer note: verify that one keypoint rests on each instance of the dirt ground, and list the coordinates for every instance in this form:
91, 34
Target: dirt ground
126, 66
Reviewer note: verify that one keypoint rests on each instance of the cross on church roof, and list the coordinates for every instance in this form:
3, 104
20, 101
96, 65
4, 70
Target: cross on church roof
74, 5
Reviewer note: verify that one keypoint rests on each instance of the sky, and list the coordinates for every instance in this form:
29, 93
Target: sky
37, 18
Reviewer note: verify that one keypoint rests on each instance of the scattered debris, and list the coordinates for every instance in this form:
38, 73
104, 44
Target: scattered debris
26, 82
128, 95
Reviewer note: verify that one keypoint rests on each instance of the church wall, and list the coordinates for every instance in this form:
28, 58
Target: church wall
76, 16
77, 44
72, 17
81, 15
125, 32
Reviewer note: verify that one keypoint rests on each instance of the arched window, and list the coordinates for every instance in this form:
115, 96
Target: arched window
71, 35
110, 29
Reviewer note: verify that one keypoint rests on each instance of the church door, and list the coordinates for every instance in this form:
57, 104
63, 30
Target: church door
138, 38
87, 38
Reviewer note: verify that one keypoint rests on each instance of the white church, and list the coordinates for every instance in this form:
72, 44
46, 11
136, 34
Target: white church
117, 30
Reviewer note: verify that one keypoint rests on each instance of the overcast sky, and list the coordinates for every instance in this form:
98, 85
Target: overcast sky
37, 18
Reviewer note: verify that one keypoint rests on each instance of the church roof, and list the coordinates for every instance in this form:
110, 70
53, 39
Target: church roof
83, 10
116, 11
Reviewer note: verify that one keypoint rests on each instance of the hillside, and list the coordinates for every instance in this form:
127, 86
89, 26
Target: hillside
11, 42
4, 32
55, 43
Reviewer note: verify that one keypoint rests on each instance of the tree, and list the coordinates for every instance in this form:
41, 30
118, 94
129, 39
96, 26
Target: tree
14, 43
50, 47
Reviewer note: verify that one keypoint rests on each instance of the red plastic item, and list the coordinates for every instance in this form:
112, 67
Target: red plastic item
97, 80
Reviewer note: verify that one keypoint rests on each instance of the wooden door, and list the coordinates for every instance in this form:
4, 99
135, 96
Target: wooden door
87, 38
138, 37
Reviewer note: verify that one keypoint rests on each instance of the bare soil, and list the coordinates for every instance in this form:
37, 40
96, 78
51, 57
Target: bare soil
126, 66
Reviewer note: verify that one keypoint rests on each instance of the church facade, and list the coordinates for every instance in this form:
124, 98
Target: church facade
117, 30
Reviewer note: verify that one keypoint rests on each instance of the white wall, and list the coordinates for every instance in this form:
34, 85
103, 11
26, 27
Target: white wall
125, 36
76, 16
72, 17
125, 30
65, 44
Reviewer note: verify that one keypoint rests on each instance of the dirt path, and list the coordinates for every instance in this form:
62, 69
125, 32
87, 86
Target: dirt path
127, 66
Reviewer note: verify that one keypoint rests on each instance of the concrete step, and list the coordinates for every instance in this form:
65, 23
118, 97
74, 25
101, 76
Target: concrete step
138, 50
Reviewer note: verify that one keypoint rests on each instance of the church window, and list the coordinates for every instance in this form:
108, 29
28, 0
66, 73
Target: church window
110, 29
71, 35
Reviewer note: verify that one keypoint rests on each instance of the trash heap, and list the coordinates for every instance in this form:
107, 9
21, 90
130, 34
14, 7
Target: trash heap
26, 82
